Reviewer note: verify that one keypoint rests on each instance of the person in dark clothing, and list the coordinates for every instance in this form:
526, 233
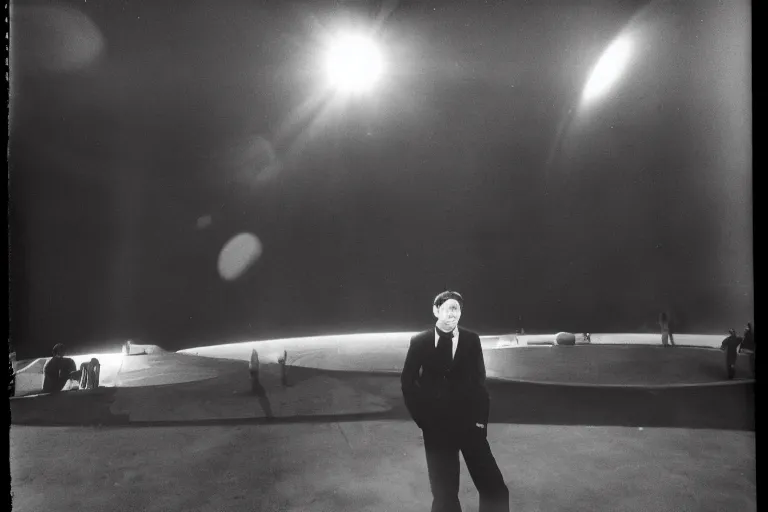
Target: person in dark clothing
11, 378
58, 370
748, 345
443, 385
730, 346
667, 336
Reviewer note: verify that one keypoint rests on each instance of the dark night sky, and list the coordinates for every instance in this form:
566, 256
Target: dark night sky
471, 167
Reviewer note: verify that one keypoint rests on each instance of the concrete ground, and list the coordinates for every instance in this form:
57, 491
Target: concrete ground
375, 466
184, 433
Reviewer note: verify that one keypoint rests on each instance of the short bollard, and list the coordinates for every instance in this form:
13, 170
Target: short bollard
253, 368
256, 387
283, 369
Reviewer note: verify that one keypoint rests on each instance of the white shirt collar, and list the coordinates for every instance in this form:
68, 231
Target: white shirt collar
455, 340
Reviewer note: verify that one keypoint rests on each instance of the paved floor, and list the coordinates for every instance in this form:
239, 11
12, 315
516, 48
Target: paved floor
375, 466
342, 441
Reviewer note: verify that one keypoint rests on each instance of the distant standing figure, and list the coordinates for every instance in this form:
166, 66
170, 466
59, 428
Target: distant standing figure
667, 337
58, 370
748, 346
730, 346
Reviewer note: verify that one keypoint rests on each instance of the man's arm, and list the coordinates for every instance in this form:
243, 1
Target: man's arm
408, 381
50, 369
480, 364
481, 404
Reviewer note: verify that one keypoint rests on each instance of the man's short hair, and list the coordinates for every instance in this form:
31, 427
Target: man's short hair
59, 349
448, 295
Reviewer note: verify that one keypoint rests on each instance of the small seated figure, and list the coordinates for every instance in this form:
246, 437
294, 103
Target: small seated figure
89, 374
59, 370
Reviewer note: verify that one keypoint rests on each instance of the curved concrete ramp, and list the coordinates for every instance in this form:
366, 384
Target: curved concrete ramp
616, 360
229, 397
166, 368
326, 396
185, 389
163, 393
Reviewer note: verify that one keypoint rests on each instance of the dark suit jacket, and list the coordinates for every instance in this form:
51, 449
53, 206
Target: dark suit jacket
731, 345
457, 399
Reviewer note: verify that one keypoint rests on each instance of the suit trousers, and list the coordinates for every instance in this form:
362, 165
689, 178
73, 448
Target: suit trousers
442, 448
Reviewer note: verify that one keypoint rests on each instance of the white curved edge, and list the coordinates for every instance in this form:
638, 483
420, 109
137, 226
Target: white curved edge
273, 348
30, 365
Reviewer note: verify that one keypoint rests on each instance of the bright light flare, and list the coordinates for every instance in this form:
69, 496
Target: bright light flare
354, 63
608, 69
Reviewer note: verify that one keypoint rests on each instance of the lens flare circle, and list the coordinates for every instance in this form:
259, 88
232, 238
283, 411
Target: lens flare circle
238, 255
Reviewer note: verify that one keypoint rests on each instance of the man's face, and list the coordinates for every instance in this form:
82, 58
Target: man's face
447, 314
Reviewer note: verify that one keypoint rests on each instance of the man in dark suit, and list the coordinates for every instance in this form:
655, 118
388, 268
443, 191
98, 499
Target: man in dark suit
443, 383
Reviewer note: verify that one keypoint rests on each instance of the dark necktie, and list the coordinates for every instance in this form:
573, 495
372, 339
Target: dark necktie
445, 348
